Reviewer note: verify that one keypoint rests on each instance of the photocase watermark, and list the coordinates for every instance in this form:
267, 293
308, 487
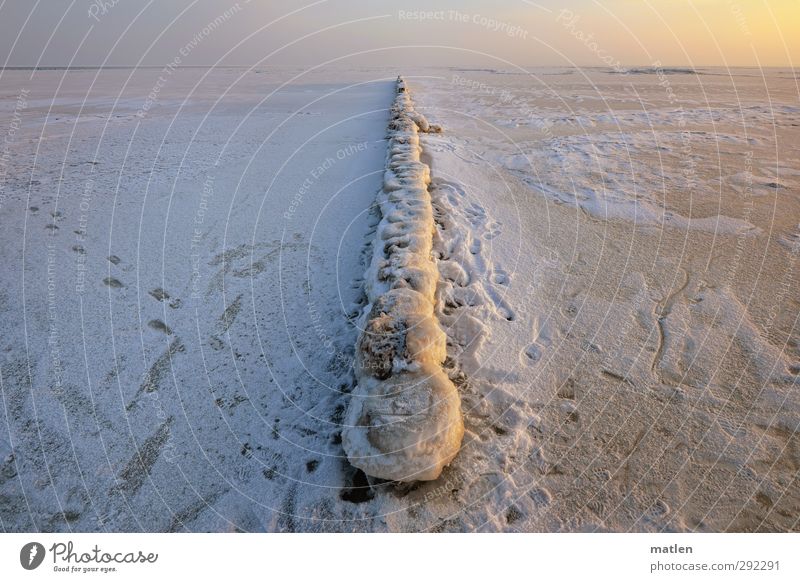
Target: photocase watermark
510, 99
623, 329
569, 20
786, 290
53, 335
451, 484
195, 243
170, 68
317, 173
100, 8
326, 341
31, 555
739, 17
84, 206
688, 157
67, 559
491, 24
747, 194
8, 141
94, 559
473, 84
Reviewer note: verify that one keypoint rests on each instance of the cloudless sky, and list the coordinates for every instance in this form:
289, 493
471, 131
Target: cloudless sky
376, 32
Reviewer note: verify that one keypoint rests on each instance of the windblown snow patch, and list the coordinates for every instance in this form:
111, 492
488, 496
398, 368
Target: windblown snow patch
404, 421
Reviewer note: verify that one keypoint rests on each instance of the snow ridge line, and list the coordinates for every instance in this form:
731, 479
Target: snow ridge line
404, 420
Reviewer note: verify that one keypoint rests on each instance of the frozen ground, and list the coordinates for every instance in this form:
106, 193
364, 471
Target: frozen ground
618, 285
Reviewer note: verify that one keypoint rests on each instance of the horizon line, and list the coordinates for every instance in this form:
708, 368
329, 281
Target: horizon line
453, 66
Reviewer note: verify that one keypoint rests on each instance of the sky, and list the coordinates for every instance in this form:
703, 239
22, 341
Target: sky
383, 32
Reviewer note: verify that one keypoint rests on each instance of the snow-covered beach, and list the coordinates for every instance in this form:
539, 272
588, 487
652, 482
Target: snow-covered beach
184, 265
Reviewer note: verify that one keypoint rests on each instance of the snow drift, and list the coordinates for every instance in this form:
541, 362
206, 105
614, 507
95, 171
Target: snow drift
404, 420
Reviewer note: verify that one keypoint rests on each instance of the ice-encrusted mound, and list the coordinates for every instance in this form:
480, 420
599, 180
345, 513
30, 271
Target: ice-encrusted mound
404, 420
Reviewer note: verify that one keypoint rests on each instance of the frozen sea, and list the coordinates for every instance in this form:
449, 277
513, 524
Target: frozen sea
183, 262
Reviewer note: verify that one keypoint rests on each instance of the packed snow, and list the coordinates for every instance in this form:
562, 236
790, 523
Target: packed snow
203, 296
404, 418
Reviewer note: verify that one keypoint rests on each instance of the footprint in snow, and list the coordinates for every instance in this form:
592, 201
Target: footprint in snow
494, 230
531, 354
500, 277
160, 295
159, 325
